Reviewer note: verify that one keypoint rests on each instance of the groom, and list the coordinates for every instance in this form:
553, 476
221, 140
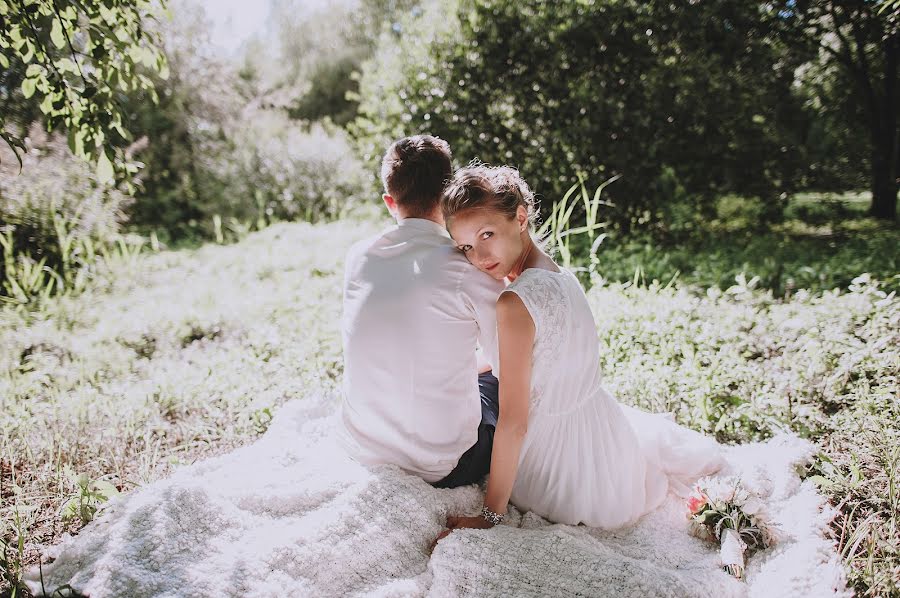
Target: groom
414, 309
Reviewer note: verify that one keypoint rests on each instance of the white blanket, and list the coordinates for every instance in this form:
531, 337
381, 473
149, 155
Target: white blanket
291, 516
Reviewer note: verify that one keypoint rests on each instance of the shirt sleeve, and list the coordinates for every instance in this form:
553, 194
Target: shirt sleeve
480, 293
350, 259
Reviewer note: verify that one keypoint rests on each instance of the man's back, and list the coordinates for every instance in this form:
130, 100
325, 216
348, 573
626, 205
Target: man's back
414, 309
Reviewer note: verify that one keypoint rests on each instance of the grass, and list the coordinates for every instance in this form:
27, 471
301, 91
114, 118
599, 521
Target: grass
824, 243
180, 355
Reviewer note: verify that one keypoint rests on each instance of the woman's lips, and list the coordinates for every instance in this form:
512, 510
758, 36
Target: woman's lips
492, 267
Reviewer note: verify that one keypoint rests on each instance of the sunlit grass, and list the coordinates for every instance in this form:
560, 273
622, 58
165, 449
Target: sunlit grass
169, 359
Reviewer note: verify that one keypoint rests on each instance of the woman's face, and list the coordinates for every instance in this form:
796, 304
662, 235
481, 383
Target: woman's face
490, 240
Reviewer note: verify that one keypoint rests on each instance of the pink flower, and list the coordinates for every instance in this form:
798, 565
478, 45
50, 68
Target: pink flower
696, 502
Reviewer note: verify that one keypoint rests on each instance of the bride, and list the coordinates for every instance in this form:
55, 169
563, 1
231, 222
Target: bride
564, 447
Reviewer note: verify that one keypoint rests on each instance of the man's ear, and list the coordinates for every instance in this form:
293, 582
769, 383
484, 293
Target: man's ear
391, 204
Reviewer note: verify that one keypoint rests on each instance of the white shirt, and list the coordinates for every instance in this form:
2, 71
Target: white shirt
414, 309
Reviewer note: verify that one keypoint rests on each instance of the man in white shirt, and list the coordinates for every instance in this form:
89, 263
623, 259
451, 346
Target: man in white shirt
414, 311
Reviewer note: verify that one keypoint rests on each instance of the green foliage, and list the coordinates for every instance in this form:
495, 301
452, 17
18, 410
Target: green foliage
825, 244
854, 84
859, 471
261, 419
404, 60
558, 233
56, 220
12, 552
836, 152
222, 157
295, 172
678, 100
319, 53
783, 262
77, 57
313, 72
183, 137
89, 496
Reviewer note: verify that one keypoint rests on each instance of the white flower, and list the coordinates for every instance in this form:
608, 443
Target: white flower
751, 506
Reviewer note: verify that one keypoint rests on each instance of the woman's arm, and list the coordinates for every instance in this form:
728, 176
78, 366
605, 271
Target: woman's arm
515, 329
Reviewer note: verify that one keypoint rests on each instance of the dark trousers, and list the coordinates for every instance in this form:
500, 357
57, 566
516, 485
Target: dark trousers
475, 463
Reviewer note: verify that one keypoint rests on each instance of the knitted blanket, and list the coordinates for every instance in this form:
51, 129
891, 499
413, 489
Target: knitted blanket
290, 515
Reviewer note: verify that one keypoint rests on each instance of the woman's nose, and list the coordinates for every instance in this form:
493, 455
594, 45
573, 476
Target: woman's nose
482, 258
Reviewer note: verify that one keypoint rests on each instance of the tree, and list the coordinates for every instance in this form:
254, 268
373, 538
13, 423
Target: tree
78, 58
183, 138
686, 101
320, 52
861, 38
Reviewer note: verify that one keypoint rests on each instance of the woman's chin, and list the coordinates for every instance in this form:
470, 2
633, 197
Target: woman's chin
498, 273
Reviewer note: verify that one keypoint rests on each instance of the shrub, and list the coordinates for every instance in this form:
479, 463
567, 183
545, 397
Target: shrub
291, 171
222, 155
55, 218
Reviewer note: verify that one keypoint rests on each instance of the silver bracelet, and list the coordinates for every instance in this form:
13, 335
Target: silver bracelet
491, 517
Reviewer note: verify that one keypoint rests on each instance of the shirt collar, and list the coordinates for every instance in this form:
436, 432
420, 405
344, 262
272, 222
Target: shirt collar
424, 225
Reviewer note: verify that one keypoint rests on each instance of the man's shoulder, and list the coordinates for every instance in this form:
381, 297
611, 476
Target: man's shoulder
369, 241
363, 245
474, 282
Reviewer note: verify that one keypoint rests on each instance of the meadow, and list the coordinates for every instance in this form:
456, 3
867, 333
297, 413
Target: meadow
171, 243
172, 356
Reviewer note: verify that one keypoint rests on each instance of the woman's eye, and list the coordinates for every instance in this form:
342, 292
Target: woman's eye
465, 248
487, 235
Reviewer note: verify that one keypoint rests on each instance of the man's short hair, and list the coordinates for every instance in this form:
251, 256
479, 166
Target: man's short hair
414, 171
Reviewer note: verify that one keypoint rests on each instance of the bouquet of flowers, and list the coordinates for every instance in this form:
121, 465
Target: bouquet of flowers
723, 510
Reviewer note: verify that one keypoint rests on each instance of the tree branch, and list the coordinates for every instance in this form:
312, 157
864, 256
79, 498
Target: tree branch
68, 41
45, 59
858, 67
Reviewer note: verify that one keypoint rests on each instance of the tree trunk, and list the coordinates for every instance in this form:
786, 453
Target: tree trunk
884, 186
886, 139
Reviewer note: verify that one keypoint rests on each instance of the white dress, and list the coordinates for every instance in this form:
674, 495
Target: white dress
586, 458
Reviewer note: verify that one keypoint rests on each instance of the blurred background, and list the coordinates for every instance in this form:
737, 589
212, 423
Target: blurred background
179, 182
774, 123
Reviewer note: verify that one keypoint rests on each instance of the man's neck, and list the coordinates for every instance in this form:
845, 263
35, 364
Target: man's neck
437, 217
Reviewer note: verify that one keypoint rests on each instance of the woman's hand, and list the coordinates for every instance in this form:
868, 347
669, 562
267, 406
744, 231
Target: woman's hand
462, 523
468, 522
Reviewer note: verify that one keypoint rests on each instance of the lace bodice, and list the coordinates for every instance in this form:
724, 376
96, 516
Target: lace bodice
565, 345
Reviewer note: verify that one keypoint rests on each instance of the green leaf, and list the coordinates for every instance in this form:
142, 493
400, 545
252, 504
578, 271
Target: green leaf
29, 52
56, 34
47, 106
820, 481
104, 168
76, 141
28, 87
104, 489
69, 509
4, 61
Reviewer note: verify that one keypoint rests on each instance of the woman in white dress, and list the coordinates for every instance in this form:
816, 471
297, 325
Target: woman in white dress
564, 448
